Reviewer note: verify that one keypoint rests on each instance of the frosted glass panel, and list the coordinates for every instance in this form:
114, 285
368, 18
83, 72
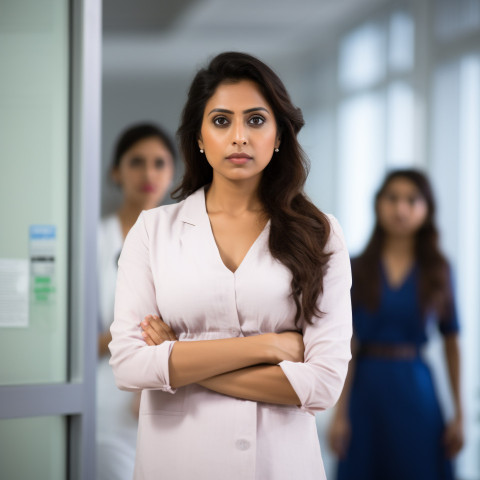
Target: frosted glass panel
33, 190
401, 45
401, 125
456, 173
361, 164
362, 57
444, 158
318, 140
33, 448
468, 278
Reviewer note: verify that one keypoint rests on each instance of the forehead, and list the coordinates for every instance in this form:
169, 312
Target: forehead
149, 144
402, 186
240, 95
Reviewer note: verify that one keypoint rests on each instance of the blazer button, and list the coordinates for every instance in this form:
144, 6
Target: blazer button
242, 444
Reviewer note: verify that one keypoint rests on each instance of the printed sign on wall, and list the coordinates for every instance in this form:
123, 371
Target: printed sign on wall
43, 246
13, 292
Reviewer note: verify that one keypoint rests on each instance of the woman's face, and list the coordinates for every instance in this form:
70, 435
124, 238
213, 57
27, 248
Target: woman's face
238, 132
145, 173
401, 209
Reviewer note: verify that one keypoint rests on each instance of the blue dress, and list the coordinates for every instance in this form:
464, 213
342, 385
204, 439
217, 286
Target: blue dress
396, 421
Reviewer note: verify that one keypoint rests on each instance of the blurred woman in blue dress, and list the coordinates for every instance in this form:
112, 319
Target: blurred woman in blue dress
388, 424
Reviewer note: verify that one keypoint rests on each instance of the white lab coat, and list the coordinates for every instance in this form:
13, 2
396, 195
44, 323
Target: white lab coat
116, 425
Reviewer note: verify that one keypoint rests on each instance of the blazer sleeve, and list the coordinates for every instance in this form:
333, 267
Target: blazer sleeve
137, 366
318, 382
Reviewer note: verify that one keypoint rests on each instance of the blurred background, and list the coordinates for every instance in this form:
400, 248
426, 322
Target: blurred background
381, 83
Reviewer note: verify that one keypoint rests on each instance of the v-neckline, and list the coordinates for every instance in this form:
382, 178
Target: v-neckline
402, 283
214, 241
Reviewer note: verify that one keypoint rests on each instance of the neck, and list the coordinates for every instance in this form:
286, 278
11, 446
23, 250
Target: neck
399, 246
233, 197
128, 214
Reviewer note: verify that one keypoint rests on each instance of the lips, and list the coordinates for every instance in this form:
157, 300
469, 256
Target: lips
148, 188
239, 158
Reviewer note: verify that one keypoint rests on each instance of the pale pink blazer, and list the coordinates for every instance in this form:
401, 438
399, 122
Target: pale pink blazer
170, 265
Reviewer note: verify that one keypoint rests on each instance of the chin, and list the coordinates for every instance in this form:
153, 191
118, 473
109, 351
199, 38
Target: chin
242, 174
403, 232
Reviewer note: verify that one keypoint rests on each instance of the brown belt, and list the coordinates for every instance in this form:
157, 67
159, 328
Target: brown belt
384, 350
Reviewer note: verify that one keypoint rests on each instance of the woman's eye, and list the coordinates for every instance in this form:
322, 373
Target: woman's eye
159, 163
136, 162
256, 120
220, 121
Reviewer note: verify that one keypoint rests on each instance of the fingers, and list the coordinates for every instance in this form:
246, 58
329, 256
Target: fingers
453, 440
162, 328
338, 444
339, 436
148, 339
453, 450
170, 331
156, 331
336, 448
151, 333
453, 446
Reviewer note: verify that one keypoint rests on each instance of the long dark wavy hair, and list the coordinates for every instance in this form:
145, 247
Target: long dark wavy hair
434, 286
298, 230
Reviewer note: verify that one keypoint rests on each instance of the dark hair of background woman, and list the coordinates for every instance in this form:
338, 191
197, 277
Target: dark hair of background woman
434, 274
298, 230
135, 133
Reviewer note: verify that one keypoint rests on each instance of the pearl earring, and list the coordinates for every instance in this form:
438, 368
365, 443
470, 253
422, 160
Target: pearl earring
277, 150
201, 150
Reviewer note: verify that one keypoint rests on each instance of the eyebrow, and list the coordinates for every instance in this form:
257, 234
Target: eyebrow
249, 110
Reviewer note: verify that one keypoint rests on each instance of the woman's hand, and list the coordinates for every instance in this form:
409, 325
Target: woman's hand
453, 437
339, 435
289, 346
103, 340
156, 331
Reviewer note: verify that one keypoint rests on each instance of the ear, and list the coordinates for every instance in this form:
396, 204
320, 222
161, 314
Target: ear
200, 143
277, 142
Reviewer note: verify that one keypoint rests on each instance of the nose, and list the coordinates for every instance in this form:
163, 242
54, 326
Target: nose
150, 172
402, 207
239, 134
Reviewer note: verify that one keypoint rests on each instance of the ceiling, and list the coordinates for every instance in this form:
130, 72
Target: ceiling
171, 37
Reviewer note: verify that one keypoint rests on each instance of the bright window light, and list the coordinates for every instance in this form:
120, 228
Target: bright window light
400, 125
362, 57
401, 45
361, 164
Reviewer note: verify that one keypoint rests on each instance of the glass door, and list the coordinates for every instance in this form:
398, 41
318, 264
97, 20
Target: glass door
49, 53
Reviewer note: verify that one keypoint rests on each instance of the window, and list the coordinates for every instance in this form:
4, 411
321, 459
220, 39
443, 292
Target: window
455, 170
376, 116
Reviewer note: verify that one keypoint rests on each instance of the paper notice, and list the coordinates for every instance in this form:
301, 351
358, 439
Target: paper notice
14, 292
43, 245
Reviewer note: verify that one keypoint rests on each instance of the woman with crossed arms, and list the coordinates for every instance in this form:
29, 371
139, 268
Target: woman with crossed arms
244, 286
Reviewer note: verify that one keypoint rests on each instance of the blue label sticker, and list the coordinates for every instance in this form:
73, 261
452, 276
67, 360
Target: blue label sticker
43, 232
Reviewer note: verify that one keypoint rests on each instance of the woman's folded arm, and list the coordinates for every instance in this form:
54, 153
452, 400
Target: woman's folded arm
261, 383
170, 364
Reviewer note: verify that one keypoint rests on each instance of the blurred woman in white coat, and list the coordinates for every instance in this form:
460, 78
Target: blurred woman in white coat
252, 284
143, 168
